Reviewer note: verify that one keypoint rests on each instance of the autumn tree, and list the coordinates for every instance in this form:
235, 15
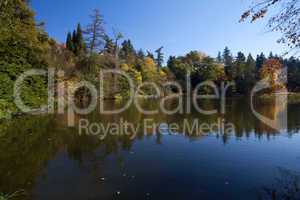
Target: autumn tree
271, 71
149, 69
286, 20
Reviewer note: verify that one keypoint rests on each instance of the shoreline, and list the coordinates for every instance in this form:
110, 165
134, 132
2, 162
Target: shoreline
293, 98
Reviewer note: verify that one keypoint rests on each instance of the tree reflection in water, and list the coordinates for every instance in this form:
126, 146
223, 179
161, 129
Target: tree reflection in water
286, 187
30, 143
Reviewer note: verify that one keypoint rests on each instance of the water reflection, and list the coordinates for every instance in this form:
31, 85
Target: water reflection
286, 187
29, 143
238, 113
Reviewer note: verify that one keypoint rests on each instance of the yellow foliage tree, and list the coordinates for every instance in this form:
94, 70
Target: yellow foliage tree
149, 70
124, 67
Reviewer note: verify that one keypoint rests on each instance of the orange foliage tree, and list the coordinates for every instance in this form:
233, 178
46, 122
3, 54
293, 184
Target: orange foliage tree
271, 71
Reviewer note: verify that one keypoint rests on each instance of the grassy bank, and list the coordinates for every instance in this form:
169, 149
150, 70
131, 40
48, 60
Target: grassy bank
12, 196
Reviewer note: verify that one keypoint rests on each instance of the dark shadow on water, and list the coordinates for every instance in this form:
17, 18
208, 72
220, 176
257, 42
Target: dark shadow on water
285, 187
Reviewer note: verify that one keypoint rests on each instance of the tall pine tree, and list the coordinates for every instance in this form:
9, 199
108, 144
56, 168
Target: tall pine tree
260, 59
127, 52
75, 42
109, 47
69, 42
227, 57
80, 47
228, 62
219, 57
160, 58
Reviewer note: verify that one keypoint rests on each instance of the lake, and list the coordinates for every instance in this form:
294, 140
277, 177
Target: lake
49, 160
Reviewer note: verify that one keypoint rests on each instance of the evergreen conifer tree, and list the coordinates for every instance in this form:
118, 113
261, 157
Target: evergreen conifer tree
227, 57
69, 42
160, 57
80, 47
260, 59
219, 58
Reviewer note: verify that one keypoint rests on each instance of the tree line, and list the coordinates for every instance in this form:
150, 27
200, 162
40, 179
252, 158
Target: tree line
89, 48
243, 70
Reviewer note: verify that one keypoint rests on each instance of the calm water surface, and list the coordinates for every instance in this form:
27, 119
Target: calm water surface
52, 161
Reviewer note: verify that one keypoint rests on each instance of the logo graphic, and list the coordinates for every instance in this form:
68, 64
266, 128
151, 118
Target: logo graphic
276, 83
279, 122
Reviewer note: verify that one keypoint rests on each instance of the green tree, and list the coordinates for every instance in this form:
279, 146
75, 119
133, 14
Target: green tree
109, 47
79, 45
179, 68
239, 64
293, 67
207, 70
69, 42
194, 57
219, 57
159, 58
200, 67
150, 55
260, 59
239, 73
127, 49
74, 39
240, 57
250, 71
141, 54
22, 47
127, 52
227, 57
228, 62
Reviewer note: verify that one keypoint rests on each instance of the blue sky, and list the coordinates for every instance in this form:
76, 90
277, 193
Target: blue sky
178, 25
